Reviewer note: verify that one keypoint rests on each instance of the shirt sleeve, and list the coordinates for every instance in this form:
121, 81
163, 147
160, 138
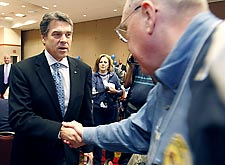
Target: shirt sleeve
128, 135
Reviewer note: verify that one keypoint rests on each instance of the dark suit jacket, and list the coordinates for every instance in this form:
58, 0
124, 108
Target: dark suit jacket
4, 110
3, 86
34, 111
123, 67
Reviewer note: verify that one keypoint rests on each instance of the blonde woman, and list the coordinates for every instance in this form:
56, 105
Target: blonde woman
106, 90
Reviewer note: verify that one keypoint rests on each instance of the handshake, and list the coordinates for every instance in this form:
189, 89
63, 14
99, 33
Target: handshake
71, 134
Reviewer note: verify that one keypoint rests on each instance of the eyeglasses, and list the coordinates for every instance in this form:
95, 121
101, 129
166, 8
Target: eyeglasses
121, 29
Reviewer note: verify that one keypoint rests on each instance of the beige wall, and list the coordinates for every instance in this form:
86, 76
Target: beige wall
2, 35
93, 38
89, 40
12, 36
10, 43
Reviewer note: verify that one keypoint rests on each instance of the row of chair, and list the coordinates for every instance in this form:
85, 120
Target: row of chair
5, 147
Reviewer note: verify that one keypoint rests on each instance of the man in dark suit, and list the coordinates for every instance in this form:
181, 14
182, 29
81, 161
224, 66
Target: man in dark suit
121, 66
4, 75
36, 111
4, 110
121, 70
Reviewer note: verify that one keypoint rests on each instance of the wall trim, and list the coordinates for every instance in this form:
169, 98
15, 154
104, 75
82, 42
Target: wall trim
10, 45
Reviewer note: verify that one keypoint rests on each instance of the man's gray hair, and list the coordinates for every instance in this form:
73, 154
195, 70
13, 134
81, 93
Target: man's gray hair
56, 15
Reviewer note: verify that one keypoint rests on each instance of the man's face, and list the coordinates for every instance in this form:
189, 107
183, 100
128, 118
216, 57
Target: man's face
131, 22
7, 59
58, 39
139, 24
120, 61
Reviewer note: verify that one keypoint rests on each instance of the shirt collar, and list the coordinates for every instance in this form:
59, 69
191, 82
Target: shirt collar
172, 70
52, 60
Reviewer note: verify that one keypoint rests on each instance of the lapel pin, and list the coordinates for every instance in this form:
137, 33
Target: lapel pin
75, 72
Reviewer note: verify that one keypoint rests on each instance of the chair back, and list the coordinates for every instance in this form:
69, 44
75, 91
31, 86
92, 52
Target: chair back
5, 147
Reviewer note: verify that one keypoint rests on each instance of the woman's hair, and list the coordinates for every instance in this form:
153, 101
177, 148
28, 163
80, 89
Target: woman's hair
56, 15
96, 67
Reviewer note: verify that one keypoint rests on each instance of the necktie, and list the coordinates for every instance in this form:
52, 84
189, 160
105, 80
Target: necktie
6, 74
59, 86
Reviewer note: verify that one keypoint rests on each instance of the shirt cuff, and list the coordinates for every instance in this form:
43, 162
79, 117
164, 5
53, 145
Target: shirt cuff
89, 135
59, 135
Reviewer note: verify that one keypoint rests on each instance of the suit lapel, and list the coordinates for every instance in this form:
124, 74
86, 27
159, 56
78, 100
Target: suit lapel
2, 73
44, 73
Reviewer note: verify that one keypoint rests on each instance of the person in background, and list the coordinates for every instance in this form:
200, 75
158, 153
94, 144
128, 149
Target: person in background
167, 38
5, 75
121, 71
121, 66
4, 110
46, 90
139, 86
106, 90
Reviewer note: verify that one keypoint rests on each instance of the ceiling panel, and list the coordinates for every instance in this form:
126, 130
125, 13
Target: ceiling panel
94, 9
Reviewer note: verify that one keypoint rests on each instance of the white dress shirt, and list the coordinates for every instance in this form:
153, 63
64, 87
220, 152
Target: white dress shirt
7, 68
64, 70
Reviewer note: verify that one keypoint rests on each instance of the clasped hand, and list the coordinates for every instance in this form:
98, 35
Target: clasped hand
71, 134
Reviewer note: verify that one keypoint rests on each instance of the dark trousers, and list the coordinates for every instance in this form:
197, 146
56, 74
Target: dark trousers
3, 89
103, 116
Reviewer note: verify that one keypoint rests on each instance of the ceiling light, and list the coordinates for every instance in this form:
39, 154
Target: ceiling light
4, 4
23, 6
20, 15
115, 10
8, 18
44, 7
54, 5
84, 15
